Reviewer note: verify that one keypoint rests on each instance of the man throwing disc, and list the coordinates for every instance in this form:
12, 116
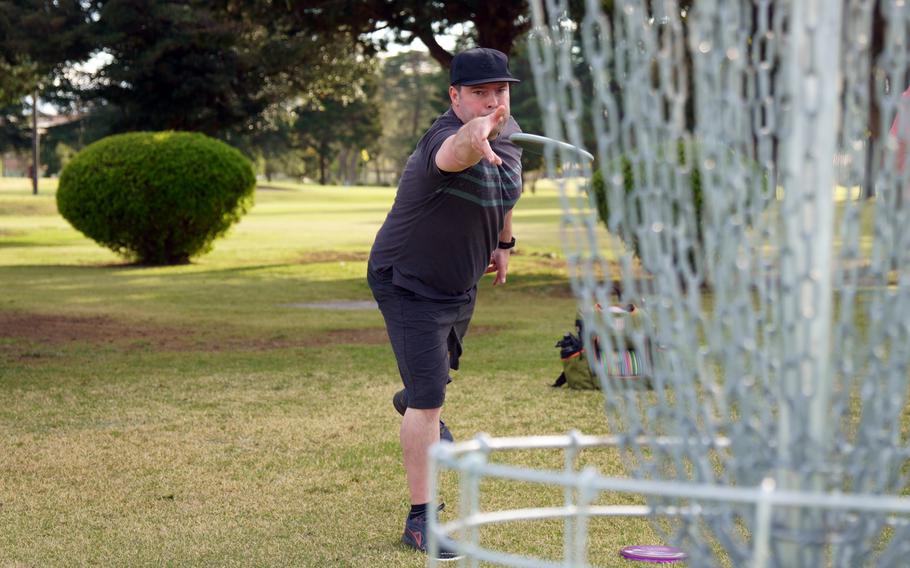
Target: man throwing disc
451, 222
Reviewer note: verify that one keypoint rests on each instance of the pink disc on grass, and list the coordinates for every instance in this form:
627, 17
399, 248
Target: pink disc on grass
653, 553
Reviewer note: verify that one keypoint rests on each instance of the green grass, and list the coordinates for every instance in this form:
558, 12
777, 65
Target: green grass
187, 416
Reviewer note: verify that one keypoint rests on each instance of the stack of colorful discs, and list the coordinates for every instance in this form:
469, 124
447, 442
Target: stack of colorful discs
653, 553
626, 363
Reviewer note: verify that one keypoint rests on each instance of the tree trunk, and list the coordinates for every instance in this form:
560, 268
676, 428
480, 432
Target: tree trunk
875, 50
322, 168
355, 167
439, 54
35, 165
343, 164
496, 28
494, 25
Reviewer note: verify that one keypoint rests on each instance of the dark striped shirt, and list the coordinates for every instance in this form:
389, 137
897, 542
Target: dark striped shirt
443, 226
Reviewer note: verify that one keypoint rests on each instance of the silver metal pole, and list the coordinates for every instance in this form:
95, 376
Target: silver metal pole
824, 143
814, 82
35, 135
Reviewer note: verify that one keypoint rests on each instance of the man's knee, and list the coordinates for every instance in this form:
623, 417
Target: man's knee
428, 414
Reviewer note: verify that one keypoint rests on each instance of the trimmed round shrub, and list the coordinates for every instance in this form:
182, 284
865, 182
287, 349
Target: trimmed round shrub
156, 197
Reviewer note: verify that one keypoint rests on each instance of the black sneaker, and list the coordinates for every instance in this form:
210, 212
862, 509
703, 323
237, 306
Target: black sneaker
444, 433
415, 536
400, 402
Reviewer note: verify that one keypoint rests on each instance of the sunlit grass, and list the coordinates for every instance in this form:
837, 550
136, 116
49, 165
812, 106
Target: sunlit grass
187, 416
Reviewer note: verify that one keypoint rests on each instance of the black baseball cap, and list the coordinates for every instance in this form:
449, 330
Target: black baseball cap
480, 65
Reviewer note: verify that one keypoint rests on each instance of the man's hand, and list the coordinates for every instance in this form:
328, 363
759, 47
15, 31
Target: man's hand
499, 263
471, 143
486, 128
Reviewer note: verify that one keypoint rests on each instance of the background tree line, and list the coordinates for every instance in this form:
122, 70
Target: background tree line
299, 87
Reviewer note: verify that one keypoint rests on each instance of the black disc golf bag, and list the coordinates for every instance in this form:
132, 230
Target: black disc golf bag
576, 370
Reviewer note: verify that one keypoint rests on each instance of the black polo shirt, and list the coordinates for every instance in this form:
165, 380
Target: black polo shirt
443, 227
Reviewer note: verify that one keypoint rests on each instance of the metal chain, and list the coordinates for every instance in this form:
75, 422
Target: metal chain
796, 354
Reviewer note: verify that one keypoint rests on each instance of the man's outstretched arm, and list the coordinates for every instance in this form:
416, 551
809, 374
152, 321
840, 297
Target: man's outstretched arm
471, 143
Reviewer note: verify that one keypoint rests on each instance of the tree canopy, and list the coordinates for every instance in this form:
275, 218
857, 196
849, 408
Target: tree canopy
413, 94
285, 81
44, 36
333, 125
189, 66
38, 40
493, 24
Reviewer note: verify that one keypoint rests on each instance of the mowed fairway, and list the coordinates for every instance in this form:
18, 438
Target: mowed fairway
194, 416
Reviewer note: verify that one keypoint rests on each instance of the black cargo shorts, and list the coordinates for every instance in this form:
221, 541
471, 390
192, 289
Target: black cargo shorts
426, 336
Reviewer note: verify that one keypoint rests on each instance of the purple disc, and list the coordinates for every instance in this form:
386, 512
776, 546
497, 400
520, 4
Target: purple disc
653, 553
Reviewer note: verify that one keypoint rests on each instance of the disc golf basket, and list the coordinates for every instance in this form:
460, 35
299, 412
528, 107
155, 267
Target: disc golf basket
757, 205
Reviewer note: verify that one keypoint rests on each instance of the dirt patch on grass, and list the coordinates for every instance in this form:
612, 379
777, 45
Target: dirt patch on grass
332, 256
336, 305
29, 329
557, 290
544, 259
47, 329
25, 336
368, 336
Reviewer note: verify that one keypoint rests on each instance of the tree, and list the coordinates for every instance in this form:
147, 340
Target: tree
38, 40
14, 128
319, 128
268, 140
16, 81
334, 125
90, 124
364, 128
526, 108
187, 66
413, 88
49, 34
492, 24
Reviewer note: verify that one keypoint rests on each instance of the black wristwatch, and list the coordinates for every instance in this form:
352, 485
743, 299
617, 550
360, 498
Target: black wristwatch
508, 245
